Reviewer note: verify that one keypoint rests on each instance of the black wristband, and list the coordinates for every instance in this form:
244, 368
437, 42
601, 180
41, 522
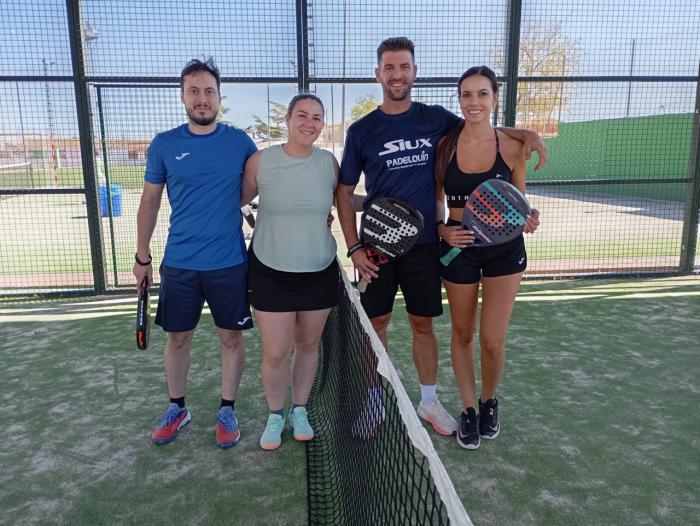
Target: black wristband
354, 248
143, 263
438, 223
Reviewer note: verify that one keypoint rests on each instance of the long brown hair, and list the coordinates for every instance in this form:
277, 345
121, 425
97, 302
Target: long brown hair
445, 151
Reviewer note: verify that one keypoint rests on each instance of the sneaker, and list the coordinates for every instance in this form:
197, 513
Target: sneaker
488, 419
468, 431
171, 422
370, 418
440, 419
227, 432
272, 436
299, 419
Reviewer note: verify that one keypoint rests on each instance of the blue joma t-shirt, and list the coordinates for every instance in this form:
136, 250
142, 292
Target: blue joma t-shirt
397, 155
202, 175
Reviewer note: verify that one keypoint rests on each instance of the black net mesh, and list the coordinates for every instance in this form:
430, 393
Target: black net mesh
363, 467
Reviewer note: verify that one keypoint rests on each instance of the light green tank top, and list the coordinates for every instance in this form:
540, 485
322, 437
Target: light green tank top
296, 195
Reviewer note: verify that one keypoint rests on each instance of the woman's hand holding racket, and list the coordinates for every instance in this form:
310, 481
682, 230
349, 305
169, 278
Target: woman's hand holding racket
533, 221
456, 236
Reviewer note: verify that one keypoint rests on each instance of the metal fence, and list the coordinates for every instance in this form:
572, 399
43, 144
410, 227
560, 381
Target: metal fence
85, 85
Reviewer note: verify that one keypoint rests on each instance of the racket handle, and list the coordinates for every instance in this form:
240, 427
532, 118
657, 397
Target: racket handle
447, 258
362, 285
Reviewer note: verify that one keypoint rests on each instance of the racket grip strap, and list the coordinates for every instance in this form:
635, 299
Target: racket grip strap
362, 285
447, 258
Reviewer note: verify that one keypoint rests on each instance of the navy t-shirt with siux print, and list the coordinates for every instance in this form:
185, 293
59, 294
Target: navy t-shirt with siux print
397, 155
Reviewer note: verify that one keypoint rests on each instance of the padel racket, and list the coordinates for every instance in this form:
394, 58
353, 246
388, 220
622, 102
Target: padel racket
389, 228
142, 316
495, 212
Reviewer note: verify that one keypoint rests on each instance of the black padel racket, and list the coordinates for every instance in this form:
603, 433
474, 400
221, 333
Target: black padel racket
495, 212
389, 228
142, 316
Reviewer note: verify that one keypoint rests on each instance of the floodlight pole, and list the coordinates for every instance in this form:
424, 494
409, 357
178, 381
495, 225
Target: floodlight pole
49, 115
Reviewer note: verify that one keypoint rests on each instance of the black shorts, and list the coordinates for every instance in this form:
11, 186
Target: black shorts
418, 275
273, 290
489, 262
183, 292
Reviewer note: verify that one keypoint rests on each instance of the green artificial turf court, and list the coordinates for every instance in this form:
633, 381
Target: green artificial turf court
599, 405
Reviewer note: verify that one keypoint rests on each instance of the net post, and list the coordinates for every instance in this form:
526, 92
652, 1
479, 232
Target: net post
692, 201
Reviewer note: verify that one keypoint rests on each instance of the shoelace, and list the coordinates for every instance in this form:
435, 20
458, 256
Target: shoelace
170, 416
227, 420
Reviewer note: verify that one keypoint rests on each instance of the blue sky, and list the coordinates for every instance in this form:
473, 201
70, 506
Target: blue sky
259, 38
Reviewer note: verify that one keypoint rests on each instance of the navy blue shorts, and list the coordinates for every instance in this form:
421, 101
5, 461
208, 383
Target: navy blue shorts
418, 275
490, 262
183, 292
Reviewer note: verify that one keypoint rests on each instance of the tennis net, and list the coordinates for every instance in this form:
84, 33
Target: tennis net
371, 461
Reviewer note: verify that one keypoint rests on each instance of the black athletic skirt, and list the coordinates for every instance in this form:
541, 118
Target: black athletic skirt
273, 290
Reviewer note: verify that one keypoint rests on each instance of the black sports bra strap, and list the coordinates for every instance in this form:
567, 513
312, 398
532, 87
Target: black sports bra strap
498, 146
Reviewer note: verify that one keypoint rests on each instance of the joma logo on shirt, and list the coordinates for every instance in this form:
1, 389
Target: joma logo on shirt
401, 144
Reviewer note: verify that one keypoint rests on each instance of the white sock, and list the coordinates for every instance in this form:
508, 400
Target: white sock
428, 393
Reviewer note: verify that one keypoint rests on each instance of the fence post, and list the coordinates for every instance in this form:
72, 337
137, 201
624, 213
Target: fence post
302, 45
692, 199
512, 57
82, 106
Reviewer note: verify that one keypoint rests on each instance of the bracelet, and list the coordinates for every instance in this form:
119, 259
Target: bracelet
143, 263
354, 248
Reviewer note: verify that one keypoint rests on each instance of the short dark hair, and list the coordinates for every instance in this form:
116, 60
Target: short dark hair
395, 44
483, 71
196, 66
302, 96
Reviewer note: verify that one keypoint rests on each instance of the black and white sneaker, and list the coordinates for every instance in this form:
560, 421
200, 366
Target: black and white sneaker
467, 432
488, 419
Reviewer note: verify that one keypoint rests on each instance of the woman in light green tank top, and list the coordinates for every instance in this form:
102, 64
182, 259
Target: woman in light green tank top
292, 267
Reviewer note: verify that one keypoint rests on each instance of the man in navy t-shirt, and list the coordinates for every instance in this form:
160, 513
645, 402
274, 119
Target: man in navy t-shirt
395, 147
200, 164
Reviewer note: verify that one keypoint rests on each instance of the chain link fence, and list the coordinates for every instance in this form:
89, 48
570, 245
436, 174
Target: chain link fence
85, 85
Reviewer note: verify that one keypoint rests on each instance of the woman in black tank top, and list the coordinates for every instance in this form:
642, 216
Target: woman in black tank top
469, 155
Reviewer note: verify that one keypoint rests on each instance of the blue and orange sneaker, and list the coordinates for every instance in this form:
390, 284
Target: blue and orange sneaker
227, 432
171, 422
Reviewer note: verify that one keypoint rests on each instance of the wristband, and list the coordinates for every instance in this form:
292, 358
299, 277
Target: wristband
354, 248
438, 223
143, 263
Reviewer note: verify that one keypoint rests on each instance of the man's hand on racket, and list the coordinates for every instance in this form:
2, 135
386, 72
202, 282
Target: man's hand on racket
142, 271
367, 269
533, 221
534, 142
456, 236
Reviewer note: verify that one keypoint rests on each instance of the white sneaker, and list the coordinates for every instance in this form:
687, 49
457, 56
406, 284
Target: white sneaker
438, 417
369, 419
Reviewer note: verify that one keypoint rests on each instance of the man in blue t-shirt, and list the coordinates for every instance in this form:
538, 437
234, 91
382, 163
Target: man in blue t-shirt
395, 147
200, 164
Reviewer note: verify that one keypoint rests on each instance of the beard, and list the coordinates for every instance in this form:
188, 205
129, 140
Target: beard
201, 120
398, 95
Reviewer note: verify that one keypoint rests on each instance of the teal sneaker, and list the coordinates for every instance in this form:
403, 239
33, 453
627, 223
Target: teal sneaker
300, 423
272, 436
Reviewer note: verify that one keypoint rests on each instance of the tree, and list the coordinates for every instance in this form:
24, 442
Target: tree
221, 116
545, 51
277, 129
363, 106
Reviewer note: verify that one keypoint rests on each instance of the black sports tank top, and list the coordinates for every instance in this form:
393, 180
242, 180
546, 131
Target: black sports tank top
458, 184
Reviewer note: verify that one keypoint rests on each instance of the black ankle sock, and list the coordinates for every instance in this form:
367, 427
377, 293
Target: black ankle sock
179, 401
294, 406
278, 412
225, 403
